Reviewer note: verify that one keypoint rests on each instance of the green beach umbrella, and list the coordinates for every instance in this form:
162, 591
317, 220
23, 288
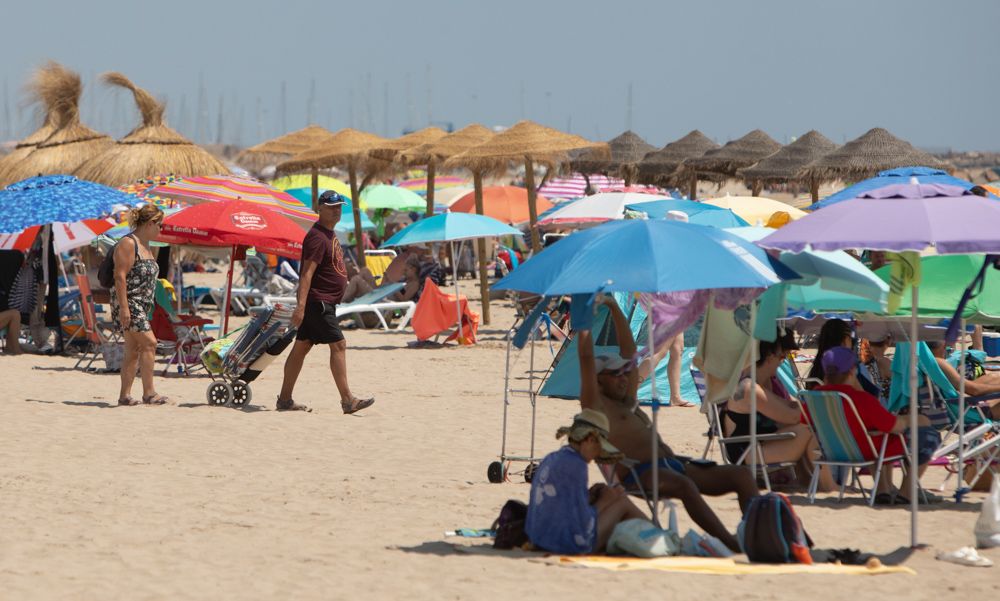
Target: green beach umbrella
943, 279
392, 198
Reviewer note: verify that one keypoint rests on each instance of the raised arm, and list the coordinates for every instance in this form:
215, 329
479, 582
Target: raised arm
626, 343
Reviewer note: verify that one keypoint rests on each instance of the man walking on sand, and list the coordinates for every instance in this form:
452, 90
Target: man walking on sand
322, 280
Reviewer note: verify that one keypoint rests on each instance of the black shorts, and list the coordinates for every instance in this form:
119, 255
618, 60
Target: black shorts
319, 325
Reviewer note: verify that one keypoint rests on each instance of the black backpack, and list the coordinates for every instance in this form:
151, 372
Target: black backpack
771, 532
106, 272
509, 526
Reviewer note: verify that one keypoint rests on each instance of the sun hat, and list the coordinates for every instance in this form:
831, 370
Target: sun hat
591, 421
839, 359
611, 363
331, 199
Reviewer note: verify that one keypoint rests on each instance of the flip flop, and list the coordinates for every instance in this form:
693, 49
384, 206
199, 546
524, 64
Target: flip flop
966, 556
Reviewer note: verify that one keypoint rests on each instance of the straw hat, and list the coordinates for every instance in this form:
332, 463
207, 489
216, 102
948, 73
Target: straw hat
591, 421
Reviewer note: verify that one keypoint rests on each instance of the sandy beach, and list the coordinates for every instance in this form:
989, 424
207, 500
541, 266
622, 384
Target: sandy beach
190, 501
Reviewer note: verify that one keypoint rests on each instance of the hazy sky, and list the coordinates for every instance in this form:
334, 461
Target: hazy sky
929, 71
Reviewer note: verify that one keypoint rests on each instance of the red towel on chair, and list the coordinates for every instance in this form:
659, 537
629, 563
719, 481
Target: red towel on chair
436, 313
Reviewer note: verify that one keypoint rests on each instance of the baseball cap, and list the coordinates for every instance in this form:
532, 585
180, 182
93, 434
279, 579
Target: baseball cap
331, 199
591, 421
839, 359
611, 363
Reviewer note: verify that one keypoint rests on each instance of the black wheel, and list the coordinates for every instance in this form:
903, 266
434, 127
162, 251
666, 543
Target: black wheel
495, 472
219, 393
241, 395
529, 472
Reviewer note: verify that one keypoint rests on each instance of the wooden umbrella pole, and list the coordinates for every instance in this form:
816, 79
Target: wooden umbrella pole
430, 187
529, 182
359, 241
758, 187
693, 190
315, 190
814, 189
484, 285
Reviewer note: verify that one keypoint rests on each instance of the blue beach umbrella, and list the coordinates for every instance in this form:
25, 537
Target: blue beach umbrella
57, 198
901, 175
346, 223
697, 212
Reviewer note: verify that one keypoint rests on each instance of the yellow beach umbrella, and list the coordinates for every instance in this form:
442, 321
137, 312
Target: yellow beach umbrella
304, 180
756, 210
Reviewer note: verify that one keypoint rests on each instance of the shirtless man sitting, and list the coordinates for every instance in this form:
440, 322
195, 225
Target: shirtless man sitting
985, 385
609, 384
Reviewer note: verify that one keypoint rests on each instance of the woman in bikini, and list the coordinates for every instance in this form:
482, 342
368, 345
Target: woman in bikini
132, 300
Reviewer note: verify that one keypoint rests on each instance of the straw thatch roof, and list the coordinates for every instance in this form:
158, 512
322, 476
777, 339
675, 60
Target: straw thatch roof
784, 165
863, 157
49, 125
524, 141
150, 149
448, 146
282, 148
72, 143
660, 166
626, 151
735, 155
388, 150
347, 148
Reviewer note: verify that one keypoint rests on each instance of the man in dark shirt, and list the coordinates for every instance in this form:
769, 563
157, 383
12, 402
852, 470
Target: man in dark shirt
322, 280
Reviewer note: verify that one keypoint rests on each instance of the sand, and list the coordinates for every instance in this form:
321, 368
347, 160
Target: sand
189, 501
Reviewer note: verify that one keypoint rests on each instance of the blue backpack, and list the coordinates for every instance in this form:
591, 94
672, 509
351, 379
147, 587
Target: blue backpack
771, 532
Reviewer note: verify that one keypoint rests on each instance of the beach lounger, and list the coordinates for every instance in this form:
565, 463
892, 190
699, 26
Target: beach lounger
373, 302
830, 415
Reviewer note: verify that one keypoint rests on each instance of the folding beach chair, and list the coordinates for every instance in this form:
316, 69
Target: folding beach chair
377, 261
181, 337
102, 339
716, 435
830, 415
636, 490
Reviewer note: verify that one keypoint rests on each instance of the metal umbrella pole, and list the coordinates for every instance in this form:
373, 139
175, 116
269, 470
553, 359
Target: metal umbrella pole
656, 410
458, 302
753, 392
913, 417
959, 488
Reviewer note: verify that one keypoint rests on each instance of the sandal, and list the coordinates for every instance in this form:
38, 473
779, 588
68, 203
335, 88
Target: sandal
128, 402
885, 498
356, 405
155, 399
291, 405
682, 403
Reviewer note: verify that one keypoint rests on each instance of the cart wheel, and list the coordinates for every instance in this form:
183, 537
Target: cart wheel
241, 395
529, 472
219, 393
495, 473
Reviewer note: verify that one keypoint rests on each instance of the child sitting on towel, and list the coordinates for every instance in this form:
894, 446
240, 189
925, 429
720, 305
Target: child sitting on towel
563, 515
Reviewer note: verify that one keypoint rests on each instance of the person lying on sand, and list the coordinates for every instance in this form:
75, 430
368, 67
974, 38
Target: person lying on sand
563, 515
609, 384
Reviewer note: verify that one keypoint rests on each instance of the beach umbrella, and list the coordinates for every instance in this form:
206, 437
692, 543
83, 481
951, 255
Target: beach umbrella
235, 224
943, 279
875, 151
451, 228
219, 188
439, 183
432, 153
449, 196
388, 149
508, 204
305, 180
346, 223
348, 148
900, 175
140, 189
384, 196
577, 185
756, 209
150, 149
40, 95
597, 208
626, 150
734, 155
905, 217
282, 148
784, 165
65, 236
698, 212
661, 167
72, 143
57, 199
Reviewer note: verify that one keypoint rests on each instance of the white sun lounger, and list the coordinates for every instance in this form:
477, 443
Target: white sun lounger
373, 302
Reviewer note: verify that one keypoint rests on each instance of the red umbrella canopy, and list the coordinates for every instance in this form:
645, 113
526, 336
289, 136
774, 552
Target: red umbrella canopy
508, 204
234, 223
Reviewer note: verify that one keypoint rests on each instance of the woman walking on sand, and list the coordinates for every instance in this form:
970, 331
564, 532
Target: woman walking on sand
132, 300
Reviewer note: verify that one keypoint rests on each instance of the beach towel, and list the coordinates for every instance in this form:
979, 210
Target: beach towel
723, 566
435, 313
723, 350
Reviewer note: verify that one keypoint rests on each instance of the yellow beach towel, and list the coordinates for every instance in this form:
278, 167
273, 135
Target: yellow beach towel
724, 566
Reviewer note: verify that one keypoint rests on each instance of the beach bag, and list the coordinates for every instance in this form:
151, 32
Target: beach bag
642, 538
509, 526
106, 271
114, 355
771, 532
987, 528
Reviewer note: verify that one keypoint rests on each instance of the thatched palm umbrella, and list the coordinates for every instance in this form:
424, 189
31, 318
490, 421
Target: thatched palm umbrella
735, 155
348, 148
660, 167
282, 148
784, 165
28, 144
430, 153
150, 149
72, 143
626, 150
391, 149
863, 157
528, 142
